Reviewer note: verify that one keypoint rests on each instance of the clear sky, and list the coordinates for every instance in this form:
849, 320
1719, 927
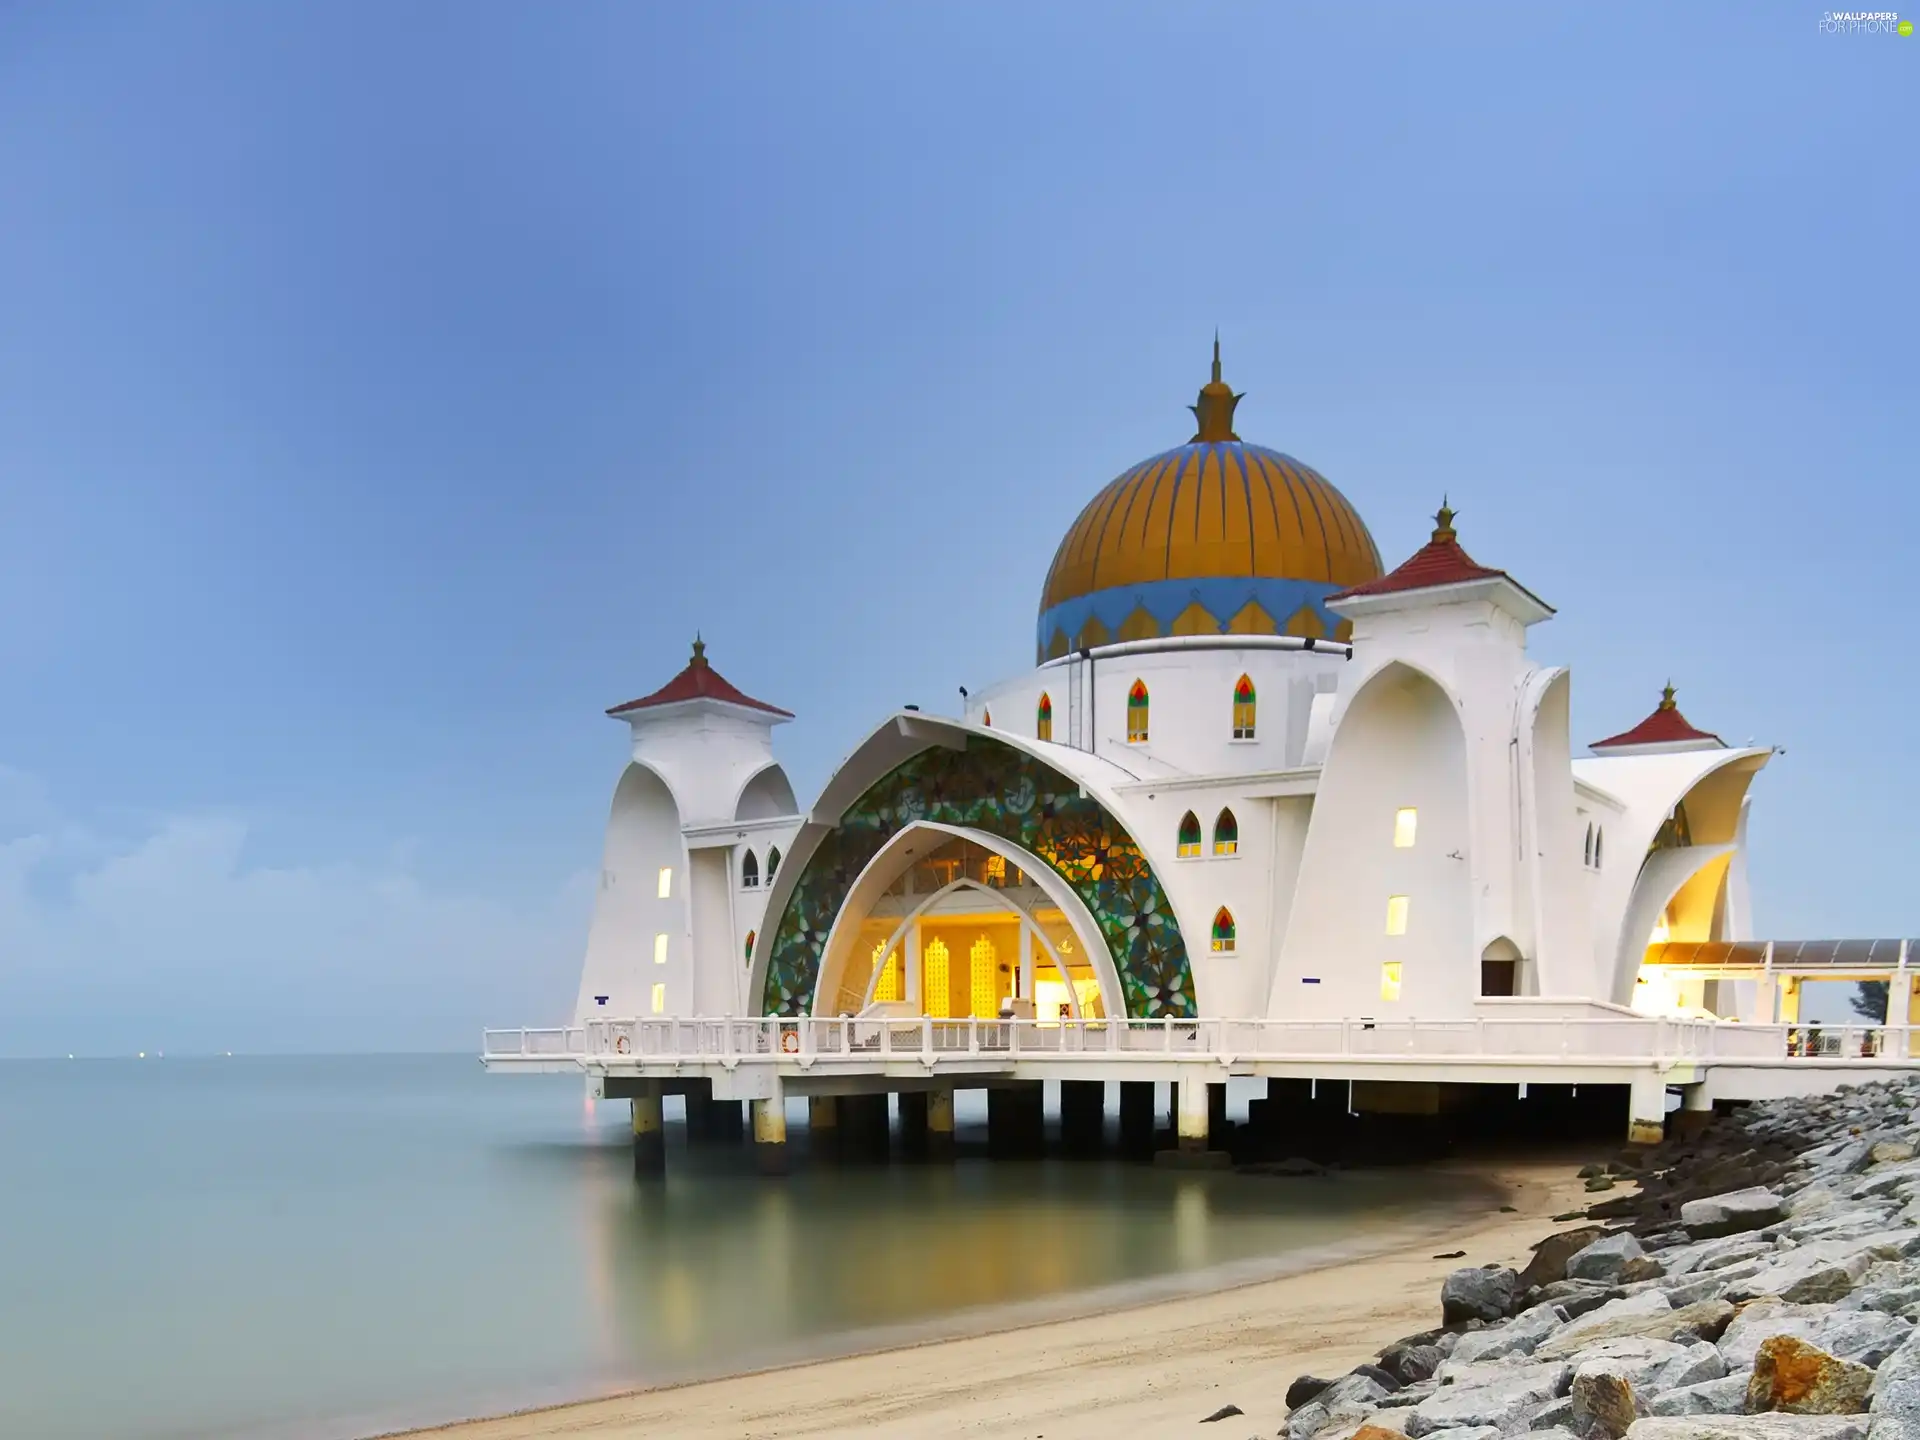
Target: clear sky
385, 390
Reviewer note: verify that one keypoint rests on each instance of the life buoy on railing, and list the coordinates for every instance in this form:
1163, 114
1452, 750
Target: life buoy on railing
620, 1046
790, 1042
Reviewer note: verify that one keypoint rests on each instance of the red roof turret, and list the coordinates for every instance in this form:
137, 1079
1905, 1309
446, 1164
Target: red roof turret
1439, 562
1666, 726
699, 681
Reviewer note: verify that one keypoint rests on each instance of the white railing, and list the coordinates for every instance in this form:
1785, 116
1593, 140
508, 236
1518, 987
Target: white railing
1565, 1039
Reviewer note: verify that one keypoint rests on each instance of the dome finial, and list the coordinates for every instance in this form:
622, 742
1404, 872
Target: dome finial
1666, 697
699, 651
1443, 521
1214, 410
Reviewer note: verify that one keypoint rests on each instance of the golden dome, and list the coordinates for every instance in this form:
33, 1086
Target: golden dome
1214, 536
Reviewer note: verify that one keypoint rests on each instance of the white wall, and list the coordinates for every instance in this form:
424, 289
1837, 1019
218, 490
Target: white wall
643, 836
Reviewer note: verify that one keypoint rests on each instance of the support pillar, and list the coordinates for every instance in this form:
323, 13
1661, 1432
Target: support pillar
1696, 1110
1646, 1110
1217, 1112
1192, 1109
649, 1135
940, 1124
703, 1120
770, 1132
864, 1127
913, 1124
1136, 1118
823, 1127
1083, 1116
1016, 1120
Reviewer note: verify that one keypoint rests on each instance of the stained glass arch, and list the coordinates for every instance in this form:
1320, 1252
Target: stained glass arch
1043, 718
749, 872
1244, 706
1224, 931
1226, 834
1137, 708
1189, 845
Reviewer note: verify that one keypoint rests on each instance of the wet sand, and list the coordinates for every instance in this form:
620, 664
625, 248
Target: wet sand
1146, 1369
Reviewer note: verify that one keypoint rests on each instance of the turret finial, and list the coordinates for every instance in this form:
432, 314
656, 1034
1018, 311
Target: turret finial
1666, 697
699, 650
1443, 521
1214, 410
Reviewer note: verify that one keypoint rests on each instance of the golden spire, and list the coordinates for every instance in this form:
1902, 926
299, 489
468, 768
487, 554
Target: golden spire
1666, 697
1443, 522
1214, 410
699, 660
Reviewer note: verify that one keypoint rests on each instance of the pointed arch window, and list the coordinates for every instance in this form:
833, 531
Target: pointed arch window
773, 862
1226, 834
891, 985
749, 872
1137, 713
984, 978
1189, 836
988, 717
1599, 839
1223, 931
1043, 718
1243, 708
1589, 846
936, 980
751, 934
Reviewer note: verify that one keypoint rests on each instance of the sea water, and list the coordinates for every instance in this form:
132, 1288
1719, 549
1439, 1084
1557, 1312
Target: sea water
335, 1247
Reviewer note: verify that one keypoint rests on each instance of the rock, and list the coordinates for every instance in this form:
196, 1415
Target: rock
1698, 1364
1467, 1432
1410, 1364
1373, 1430
1604, 1406
1802, 1279
1517, 1337
1408, 1395
1347, 1399
1886, 1152
1644, 1314
1590, 1172
1554, 1415
1604, 1259
1504, 1400
1478, 1294
1749, 1427
1896, 1386
1223, 1413
1550, 1256
1725, 1396
1385, 1379
1732, 1213
1637, 1359
1641, 1268
1309, 1420
1306, 1388
1810, 1199
1599, 1183
1802, 1379
1863, 1336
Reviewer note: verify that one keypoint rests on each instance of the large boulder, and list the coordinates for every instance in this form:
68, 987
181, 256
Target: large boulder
1605, 1259
1750, 1427
1303, 1389
1801, 1379
1725, 1396
1803, 1277
1488, 1293
1550, 1256
1507, 1399
1637, 1359
1517, 1337
1647, 1314
1863, 1336
1604, 1405
1346, 1401
1732, 1213
1896, 1386
1410, 1364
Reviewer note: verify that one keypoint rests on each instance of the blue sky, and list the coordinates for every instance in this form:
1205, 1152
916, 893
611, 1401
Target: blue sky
386, 390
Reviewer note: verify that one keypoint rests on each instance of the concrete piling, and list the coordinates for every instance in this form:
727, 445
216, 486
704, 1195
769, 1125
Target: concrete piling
649, 1133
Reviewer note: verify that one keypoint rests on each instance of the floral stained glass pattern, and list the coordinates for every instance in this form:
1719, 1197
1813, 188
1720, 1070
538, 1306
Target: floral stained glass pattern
990, 786
1189, 839
1043, 718
1243, 709
1138, 709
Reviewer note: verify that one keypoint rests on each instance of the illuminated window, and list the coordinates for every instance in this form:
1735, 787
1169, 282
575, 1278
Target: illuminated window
1406, 823
1396, 915
1243, 709
994, 871
750, 938
1390, 980
1226, 834
660, 949
773, 862
666, 882
988, 718
1043, 718
1137, 713
1189, 835
936, 980
1223, 932
749, 872
985, 982
890, 986
659, 999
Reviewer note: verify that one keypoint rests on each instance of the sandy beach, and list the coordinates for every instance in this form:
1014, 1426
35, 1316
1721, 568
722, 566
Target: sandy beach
1153, 1369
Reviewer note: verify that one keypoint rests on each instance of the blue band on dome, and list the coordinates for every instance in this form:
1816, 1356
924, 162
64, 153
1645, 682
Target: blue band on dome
1166, 600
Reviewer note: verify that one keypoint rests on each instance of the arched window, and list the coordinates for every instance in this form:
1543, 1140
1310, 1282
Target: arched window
988, 719
1599, 839
749, 872
1243, 707
889, 987
1223, 930
1189, 835
773, 862
1137, 713
1043, 718
1226, 834
750, 937
1589, 852
936, 982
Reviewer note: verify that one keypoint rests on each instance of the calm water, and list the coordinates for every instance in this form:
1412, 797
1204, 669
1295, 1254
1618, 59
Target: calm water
331, 1247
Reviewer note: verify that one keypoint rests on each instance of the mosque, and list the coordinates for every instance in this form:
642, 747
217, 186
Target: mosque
1253, 773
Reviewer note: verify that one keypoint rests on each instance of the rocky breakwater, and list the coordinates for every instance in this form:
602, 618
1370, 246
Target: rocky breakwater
1762, 1280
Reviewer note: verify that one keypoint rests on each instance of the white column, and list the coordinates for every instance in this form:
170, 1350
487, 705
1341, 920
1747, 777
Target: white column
1647, 1110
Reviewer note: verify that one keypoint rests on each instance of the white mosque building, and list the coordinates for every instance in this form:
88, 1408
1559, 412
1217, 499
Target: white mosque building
1252, 775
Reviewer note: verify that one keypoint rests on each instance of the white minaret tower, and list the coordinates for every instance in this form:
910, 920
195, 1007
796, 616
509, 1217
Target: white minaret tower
698, 818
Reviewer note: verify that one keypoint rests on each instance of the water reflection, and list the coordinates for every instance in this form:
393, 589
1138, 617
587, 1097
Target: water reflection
715, 1266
